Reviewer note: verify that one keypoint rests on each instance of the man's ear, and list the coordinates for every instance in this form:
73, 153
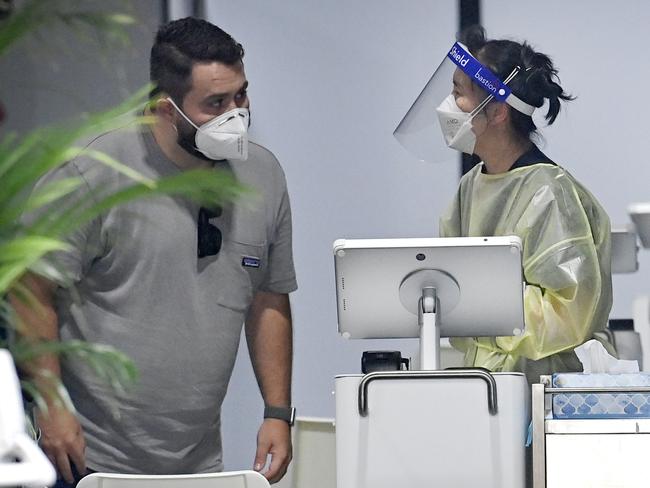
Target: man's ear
163, 108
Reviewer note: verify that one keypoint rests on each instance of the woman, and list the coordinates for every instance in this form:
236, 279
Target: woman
517, 190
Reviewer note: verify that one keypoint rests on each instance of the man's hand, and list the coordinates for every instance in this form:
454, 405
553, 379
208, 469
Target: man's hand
274, 438
62, 441
61, 436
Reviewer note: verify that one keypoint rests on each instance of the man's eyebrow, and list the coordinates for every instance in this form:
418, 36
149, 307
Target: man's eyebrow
224, 95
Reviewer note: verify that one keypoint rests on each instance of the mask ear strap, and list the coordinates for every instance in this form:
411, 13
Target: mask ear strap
481, 105
489, 98
181, 112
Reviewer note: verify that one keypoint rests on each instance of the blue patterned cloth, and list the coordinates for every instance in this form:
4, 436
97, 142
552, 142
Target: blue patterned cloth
601, 405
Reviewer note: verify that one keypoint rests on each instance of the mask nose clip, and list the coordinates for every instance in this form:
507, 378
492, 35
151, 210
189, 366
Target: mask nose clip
232, 117
225, 121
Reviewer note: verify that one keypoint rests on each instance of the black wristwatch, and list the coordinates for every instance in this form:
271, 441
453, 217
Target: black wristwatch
288, 414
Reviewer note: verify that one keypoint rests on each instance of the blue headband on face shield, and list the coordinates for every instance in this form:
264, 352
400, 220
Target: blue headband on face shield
419, 130
488, 81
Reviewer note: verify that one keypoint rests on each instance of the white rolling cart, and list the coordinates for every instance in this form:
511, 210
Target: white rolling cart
584, 450
430, 427
586, 436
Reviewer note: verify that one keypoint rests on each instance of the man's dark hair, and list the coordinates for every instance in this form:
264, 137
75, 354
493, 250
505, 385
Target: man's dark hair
181, 43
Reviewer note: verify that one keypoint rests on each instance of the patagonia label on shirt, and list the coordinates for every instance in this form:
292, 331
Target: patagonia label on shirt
250, 262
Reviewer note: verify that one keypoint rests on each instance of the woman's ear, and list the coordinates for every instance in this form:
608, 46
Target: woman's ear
498, 113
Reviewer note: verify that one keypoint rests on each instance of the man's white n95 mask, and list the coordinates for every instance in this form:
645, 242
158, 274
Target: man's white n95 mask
456, 125
224, 137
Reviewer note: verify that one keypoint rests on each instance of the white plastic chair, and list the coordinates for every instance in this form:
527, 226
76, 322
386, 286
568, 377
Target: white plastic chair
21, 461
229, 479
314, 455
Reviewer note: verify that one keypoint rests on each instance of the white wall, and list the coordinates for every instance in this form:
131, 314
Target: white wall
600, 48
330, 80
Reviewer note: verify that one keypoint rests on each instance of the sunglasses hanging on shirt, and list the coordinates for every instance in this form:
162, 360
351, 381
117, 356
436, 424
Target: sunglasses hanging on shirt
208, 235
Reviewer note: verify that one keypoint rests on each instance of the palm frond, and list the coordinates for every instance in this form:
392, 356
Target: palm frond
20, 253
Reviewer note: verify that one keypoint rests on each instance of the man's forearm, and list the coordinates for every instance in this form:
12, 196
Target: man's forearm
36, 321
269, 338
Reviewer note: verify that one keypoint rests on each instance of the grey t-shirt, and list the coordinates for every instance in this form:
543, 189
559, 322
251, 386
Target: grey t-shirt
141, 288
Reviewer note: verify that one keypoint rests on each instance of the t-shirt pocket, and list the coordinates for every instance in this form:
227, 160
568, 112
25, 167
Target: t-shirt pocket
248, 265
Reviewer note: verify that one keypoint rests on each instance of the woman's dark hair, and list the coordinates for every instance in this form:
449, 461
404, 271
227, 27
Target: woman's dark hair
536, 81
181, 43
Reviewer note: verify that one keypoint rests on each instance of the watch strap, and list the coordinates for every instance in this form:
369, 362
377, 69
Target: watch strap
288, 414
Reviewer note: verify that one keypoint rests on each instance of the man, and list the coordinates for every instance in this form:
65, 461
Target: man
170, 284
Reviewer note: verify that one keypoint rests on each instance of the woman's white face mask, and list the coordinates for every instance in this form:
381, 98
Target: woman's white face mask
456, 125
224, 137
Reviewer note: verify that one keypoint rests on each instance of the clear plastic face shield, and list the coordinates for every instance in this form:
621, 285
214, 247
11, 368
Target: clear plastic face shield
441, 120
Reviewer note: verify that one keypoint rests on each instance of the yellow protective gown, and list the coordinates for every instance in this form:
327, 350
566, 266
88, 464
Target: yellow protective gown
566, 261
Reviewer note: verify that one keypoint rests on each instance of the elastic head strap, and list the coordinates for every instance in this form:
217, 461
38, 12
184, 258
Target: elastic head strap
519, 105
513, 100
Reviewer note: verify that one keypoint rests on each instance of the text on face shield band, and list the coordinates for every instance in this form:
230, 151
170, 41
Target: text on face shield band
487, 80
478, 73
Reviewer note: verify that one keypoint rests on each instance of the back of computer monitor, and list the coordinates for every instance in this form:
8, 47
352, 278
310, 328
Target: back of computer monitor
478, 282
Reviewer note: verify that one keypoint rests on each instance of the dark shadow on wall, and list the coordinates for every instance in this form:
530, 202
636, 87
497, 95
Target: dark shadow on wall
54, 75
469, 13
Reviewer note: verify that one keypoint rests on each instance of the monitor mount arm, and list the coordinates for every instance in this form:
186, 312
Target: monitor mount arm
428, 308
425, 293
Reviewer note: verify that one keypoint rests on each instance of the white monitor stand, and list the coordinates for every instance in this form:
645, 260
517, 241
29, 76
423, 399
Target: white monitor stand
429, 288
430, 427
